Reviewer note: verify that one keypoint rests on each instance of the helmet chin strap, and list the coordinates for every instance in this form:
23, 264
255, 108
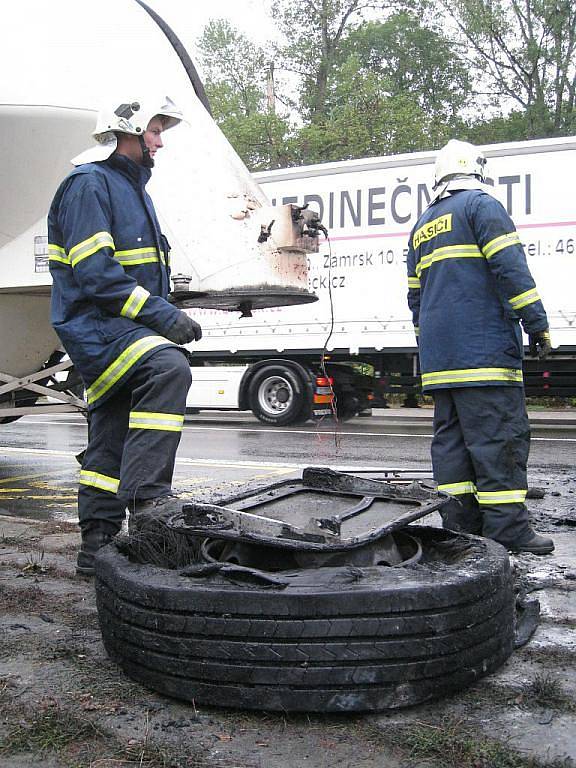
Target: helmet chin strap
147, 159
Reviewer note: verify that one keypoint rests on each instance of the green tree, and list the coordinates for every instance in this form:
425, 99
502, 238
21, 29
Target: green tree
396, 87
315, 31
413, 61
511, 127
524, 52
235, 79
400, 84
364, 120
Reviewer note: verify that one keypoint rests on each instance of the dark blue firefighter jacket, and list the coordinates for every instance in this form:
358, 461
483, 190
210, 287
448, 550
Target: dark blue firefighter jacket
469, 287
109, 265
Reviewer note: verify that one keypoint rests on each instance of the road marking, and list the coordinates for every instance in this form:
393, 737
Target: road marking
47, 497
276, 466
341, 435
45, 452
81, 423
553, 439
338, 433
261, 430
18, 478
246, 464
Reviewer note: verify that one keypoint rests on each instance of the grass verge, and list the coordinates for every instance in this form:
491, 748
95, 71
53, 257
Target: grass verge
546, 690
454, 745
78, 742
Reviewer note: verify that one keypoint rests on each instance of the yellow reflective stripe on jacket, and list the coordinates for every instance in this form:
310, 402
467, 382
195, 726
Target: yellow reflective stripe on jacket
137, 256
56, 253
503, 241
122, 365
457, 489
169, 422
502, 497
417, 330
523, 299
414, 282
134, 302
87, 247
448, 252
96, 480
472, 374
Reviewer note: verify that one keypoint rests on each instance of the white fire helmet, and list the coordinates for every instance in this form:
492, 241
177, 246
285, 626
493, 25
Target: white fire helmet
127, 117
459, 158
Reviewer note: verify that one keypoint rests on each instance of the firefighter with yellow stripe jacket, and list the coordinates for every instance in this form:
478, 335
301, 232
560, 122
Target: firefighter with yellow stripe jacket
469, 289
110, 269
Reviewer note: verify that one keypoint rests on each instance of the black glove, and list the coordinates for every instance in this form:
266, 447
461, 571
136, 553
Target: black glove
184, 330
539, 343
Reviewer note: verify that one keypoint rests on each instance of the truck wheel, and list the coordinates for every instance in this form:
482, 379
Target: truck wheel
328, 639
347, 406
277, 395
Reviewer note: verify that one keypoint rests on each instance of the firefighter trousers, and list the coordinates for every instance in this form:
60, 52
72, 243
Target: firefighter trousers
132, 441
479, 455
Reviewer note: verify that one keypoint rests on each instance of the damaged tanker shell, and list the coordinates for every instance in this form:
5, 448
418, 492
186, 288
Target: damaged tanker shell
271, 614
281, 238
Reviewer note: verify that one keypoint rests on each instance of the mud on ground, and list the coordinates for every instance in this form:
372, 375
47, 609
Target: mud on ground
64, 704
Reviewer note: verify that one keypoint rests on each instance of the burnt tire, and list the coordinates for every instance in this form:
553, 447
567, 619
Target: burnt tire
332, 640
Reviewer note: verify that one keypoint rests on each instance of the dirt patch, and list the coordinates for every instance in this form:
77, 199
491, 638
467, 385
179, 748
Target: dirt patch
65, 704
556, 511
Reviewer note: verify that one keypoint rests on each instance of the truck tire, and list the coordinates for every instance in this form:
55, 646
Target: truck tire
278, 395
332, 639
347, 406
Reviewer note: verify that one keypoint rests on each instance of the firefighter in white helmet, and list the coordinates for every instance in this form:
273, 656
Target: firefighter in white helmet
114, 125
110, 264
470, 291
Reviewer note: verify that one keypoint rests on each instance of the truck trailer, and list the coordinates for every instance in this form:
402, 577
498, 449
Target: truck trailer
357, 341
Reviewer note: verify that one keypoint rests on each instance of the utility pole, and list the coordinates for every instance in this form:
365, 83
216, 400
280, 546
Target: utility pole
270, 88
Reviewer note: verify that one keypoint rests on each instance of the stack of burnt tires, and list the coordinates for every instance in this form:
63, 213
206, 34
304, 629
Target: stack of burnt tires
330, 639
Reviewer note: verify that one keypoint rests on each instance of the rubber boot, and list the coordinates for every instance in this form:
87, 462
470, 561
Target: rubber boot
93, 538
534, 544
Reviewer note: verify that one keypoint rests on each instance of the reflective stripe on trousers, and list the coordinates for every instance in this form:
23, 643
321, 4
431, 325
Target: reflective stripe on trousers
140, 459
480, 448
167, 422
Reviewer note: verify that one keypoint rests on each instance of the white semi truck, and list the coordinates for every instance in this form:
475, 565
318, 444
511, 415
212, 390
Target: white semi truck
361, 325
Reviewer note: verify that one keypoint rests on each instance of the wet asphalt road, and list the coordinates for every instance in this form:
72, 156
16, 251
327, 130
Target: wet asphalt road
38, 469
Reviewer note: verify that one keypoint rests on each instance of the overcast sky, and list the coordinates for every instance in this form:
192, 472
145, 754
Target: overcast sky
189, 17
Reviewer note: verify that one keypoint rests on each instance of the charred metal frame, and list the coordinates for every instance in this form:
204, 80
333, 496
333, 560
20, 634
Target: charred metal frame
235, 519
